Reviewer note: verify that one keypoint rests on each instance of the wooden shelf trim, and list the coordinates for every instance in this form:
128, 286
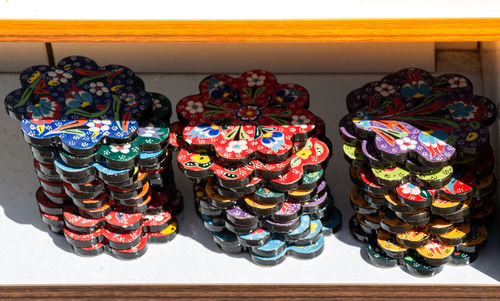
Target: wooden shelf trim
254, 292
336, 30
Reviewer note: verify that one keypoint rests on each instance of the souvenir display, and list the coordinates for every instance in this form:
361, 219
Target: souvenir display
100, 144
422, 163
257, 158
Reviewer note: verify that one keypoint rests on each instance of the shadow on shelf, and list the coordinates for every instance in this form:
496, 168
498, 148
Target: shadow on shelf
60, 241
490, 253
192, 226
21, 208
18, 183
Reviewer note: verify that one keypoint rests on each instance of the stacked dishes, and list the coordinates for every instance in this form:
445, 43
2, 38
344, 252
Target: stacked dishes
100, 147
257, 157
420, 157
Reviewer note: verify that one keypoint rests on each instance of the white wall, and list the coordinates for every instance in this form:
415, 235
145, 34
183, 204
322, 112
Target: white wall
240, 57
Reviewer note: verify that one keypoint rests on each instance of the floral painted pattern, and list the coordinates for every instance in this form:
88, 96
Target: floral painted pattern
58, 76
237, 146
44, 109
413, 112
77, 102
124, 149
150, 131
156, 103
461, 110
99, 125
249, 113
288, 95
406, 143
385, 90
301, 121
411, 189
457, 82
78, 99
236, 117
98, 88
129, 99
194, 107
255, 80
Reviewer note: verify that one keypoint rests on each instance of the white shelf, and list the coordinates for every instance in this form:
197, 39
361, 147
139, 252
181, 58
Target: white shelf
31, 255
257, 9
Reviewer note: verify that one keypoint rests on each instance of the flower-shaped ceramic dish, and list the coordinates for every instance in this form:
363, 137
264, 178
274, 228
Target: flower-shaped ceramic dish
265, 255
279, 210
251, 116
435, 249
312, 157
78, 103
309, 181
413, 114
244, 215
414, 187
150, 142
214, 221
121, 245
118, 222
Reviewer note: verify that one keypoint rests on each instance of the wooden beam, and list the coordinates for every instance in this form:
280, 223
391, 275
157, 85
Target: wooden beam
253, 292
374, 30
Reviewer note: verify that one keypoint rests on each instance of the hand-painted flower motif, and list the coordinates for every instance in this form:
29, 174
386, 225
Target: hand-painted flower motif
273, 140
406, 143
124, 148
78, 100
461, 110
415, 88
237, 146
385, 90
218, 89
457, 82
249, 113
58, 76
45, 109
304, 154
411, 189
98, 88
129, 99
194, 107
255, 80
205, 130
425, 115
157, 104
287, 95
149, 131
434, 141
253, 108
301, 121
97, 125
